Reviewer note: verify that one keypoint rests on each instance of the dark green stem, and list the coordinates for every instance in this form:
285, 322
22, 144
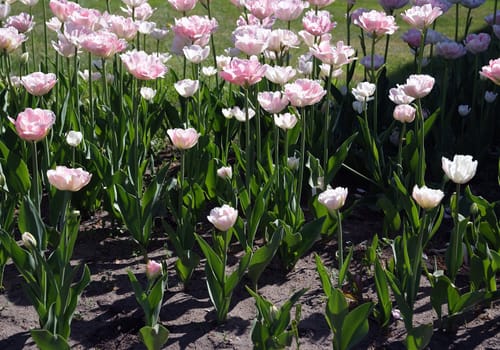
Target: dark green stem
303, 136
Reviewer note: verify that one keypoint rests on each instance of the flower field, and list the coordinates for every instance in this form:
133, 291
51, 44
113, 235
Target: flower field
329, 179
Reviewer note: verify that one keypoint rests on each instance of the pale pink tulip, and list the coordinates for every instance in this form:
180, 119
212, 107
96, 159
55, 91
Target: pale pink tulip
305, 65
74, 138
85, 18
318, 22
376, 23
321, 3
34, 124
68, 179
238, 113
147, 93
29, 3
399, 97
103, 44
153, 270
10, 39
251, 20
38, 83
418, 85
243, 72
123, 27
492, 71
4, 10
143, 66
404, 113
333, 198
304, 92
23, 22
145, 27
363, 92
450, 50
288, 10
65, 47
134, 3
195, 53
187, 87
251, 39
427, 198
421, 17
281, 40
183, 5
183, 138
260, 8
280, 75
476, 43
159, 33
223, 218
444, 5
62, 9
335, 56
225, 172
140, 13
285, 121
196, 29
272, 102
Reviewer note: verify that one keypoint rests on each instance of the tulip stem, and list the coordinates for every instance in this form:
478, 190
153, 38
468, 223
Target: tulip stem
181, 189
248, 165
91, 103
36, 180
44, 12
421, 158
340, 243
400, 151
327, 120
302, 154
456, 245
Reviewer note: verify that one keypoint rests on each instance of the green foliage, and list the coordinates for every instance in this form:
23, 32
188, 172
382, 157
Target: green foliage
348, 327
272, 329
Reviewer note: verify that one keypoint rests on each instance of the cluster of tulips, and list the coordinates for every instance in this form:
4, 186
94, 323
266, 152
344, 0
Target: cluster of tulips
257, 136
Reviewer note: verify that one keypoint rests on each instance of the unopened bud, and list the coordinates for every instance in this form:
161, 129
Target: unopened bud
25, 57
153, 269
28, 240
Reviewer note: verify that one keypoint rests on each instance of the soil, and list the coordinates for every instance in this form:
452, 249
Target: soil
108, 316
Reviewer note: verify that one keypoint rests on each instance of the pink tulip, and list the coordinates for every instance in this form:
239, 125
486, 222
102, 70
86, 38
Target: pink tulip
260, 8
238, 113
143, 66
10, 39
4, 10
476, 43
103, 44
187, 87
153, 270
450, 50
85, 18
421, 17
335, 56
123, 27
183, 5
38, 83
34, 124
142, 12
243, 72
62, 9
304, 92
404, 113
288, 10
443, 5
68, 179
23, 22
376, 23
272, 102
223, 218
251, 39
65, 47
134, 3
333, 198
418, 85
318, 22
492, 71
225, 172
183, 138
196, 29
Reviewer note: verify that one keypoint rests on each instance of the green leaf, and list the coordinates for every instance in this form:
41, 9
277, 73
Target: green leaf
213, 260
384, 305
154, 337
45, 340
345, 267
355, 326
419, 337
336, 160
17, 175
263, 256
30, 221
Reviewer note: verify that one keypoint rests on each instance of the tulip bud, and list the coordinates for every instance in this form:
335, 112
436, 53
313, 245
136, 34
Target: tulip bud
474, 209
29, 240
225, 172
293, 163
25, 57
74, 138
153, 269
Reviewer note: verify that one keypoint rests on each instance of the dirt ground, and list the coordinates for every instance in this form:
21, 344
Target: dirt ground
108, 316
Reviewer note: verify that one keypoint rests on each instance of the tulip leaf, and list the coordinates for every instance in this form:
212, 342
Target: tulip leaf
419, 337
30, 221
45, 340
154, 337
16, 173
355, 326
263, 256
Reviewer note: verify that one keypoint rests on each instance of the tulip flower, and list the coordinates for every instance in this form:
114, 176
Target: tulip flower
34, 124
68, 179
223, 218
461, 169
183, 138
427, 198
153, 269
